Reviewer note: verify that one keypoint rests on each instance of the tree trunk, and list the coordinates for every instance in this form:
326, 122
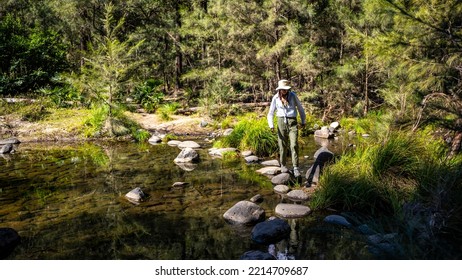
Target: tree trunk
179, 56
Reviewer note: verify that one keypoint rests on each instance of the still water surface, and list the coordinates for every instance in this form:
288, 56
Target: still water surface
67, 202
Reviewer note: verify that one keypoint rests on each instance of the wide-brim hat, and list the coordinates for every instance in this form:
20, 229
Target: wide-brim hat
283, 84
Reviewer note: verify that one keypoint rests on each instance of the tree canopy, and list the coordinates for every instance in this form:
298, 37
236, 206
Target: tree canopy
345, 57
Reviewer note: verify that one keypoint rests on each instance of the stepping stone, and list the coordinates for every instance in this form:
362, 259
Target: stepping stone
189, 144
173, 143
297, 195
155, 139
246, 153
281, 189
269, 170
273, 162
285, 210
281, 179
251, 159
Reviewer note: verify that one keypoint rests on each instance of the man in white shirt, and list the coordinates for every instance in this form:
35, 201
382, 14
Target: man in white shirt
286, 104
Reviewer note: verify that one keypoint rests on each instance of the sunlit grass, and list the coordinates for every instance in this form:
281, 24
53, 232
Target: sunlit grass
252, 133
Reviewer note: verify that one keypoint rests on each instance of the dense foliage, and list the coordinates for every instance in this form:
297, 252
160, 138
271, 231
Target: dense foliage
344, 57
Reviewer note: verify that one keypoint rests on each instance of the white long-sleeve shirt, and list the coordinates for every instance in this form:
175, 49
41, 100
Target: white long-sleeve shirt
289, 111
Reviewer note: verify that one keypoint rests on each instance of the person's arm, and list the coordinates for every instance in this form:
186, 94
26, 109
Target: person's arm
270, 115
300, 109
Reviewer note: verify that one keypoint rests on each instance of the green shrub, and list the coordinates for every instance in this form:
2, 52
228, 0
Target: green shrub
94, 124
167, 110
62, 96
149, 95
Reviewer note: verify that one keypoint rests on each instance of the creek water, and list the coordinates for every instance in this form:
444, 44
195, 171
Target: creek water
67, 201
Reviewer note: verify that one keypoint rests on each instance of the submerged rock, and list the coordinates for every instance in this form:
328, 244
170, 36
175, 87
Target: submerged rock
9, 239
257, 255
337, 220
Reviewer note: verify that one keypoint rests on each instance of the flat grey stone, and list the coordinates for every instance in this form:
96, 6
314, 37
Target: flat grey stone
251, 159
281, 189
273, 162
155, 139
246, 153
281, 179
297, 195
285, 210
173, 143
189, 144
269, 170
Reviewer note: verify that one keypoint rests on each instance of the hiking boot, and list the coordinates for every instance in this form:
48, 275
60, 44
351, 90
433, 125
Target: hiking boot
296, 172
284, 169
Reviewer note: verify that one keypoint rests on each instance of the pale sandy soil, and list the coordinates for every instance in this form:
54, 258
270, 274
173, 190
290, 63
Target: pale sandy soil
64, 131
179, 124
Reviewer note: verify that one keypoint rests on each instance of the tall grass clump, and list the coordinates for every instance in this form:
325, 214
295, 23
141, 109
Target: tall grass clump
252, 133
407, 185
168, 109
376, 123
375, 178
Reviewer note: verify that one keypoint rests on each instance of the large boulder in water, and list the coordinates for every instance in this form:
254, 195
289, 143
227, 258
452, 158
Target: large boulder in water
244, 212
7, 148
187, 155
271, 231
136, 195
